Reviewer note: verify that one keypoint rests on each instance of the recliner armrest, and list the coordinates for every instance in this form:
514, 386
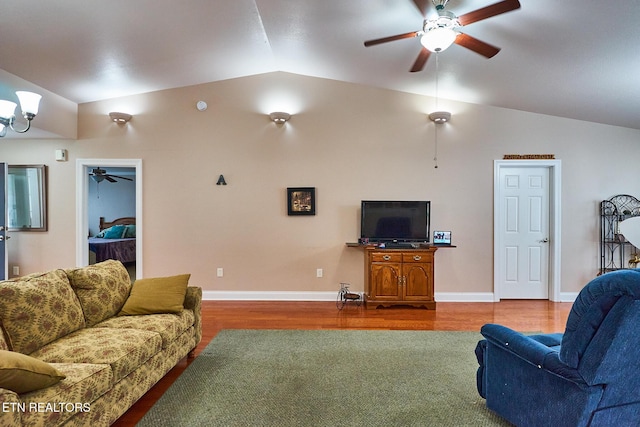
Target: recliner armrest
533, 349
517, 343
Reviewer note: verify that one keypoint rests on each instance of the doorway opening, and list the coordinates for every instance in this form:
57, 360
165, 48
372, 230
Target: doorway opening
127, 168
500, 250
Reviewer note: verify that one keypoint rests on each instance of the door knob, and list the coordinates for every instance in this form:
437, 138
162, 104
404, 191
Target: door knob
545, 240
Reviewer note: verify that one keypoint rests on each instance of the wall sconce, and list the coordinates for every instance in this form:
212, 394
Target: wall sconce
279, 117
440, 117
120, 118
29, 103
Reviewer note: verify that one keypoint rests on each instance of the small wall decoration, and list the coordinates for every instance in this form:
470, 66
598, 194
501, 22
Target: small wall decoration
301, 201
529, 157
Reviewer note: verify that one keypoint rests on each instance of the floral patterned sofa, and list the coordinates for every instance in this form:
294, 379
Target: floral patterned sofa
84, 352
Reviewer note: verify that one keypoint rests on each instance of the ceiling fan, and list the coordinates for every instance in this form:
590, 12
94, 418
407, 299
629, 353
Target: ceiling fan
441, 30
100, 175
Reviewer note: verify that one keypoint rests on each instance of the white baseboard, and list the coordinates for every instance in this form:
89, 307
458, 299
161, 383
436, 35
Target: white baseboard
464, 297
568, 296
268, 296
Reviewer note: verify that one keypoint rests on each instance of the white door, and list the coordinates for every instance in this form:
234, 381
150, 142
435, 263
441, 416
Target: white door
4, 270
524, 233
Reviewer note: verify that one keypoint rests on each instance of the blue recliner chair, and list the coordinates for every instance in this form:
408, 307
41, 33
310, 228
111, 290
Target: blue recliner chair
588, 376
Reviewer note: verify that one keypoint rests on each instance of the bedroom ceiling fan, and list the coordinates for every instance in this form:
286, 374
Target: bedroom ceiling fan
100, 175
441, 30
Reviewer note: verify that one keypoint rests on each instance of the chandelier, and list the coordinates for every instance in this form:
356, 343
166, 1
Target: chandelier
29, 103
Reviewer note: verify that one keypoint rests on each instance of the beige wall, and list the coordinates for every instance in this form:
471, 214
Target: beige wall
351, 142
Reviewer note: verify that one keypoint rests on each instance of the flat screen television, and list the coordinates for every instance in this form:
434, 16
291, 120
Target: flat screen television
385, 221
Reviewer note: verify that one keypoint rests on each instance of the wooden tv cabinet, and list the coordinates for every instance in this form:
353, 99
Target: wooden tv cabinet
399, 277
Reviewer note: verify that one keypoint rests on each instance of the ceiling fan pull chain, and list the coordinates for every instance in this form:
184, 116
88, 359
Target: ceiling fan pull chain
437, 73
435, 128
435, 156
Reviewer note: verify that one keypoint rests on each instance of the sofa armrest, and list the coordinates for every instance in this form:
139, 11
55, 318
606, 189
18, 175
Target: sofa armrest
193, 301
10, 409
537, 350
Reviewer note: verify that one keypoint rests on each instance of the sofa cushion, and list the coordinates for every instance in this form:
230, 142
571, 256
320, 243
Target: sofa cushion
84, 383
102, 289
38, 309
157, 295
169, 326
22, 373
3, 342
123, 349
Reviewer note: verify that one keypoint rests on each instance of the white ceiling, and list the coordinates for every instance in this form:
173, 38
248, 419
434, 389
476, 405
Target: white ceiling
574, 59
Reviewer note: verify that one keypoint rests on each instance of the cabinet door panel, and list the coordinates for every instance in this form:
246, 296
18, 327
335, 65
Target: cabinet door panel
418, 281
385, 280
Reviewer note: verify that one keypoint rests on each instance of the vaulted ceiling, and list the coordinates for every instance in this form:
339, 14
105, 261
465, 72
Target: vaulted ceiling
573, 59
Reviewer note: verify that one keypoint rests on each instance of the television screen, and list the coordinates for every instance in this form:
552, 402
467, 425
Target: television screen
388, 221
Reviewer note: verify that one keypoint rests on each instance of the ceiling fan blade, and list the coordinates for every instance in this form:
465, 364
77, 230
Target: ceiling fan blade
121, 177
422, 6
478, 46
391, 38
421, 60
489, 11
108, 178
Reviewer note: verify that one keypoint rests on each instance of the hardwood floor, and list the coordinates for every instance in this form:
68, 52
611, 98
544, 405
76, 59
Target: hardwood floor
526, 316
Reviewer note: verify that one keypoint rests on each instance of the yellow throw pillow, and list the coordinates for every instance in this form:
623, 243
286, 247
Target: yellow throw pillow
156, 295
21, 373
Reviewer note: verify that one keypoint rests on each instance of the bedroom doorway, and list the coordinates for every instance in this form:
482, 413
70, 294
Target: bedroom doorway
91, 185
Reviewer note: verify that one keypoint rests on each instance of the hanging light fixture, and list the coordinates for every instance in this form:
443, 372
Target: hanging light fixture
29, 103
438, 39
439, 32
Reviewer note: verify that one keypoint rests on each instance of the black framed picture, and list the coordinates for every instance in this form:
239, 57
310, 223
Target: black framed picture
301, 201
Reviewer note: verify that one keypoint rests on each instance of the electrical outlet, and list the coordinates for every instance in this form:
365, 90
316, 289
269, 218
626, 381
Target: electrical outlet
319, 272
16, 270
220, 272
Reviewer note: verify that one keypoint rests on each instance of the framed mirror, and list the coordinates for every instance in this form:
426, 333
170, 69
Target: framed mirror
27, 197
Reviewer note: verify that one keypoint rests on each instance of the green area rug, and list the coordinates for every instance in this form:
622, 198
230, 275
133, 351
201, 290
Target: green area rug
328, 378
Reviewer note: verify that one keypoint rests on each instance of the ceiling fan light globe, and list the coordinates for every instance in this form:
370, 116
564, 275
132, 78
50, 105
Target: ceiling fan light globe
438, 39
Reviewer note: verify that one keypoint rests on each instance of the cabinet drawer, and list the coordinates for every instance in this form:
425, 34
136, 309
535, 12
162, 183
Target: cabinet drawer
386, 257
417, 257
